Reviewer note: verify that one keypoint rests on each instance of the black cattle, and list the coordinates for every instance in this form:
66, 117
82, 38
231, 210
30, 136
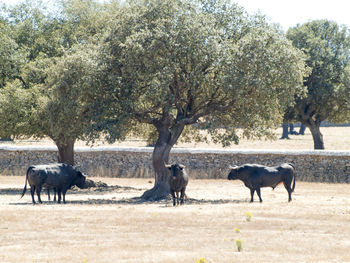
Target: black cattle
60, 177
48, 193
255, 176
178, 181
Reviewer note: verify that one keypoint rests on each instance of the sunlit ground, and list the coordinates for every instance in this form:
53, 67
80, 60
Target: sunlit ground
335, 138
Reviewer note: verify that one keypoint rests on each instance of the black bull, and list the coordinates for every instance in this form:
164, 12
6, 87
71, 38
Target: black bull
60, 177
178, 181
255, 176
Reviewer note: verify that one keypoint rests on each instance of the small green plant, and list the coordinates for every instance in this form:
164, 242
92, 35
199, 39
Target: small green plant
248, 216
239, 245
237, 230
201, 260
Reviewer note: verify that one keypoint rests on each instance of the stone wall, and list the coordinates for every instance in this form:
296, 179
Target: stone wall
313, 166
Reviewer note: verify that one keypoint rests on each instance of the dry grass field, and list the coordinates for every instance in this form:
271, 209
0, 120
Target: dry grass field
110, 224
335, 138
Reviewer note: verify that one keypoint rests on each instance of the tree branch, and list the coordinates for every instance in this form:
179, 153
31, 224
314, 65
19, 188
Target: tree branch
25, 85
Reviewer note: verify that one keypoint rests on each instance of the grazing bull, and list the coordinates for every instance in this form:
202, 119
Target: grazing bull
60, 177
178, 181
255, 176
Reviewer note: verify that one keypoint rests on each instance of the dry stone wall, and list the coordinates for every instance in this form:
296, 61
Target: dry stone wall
312, 166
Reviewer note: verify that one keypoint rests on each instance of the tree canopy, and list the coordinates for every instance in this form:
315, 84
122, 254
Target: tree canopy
172, 64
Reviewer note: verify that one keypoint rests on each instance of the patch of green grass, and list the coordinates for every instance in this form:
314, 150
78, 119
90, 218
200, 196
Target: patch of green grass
239, 245
248, 216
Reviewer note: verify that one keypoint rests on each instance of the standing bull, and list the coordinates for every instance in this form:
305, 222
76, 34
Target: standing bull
60, 177
178, 181
255, 176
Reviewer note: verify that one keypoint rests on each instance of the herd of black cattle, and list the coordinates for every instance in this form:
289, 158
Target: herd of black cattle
61, 177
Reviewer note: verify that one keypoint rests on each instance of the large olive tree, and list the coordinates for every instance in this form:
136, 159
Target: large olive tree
327, 46
172, 64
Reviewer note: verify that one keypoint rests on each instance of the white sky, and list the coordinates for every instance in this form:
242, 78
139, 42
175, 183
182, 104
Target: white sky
289, 13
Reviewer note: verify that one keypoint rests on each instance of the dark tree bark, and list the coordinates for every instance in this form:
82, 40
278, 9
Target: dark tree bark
167, 137
302, 129
6, 140
161, 188
285, 131
317, 136
310, 118
291, 129
66, 152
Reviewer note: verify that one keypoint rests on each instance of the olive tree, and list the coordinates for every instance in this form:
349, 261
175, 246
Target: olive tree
327, 46
54, 108
184, 65
58, 70
62, 114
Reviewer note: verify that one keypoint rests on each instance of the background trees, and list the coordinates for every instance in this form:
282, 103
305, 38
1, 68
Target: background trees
176, 64
327, 47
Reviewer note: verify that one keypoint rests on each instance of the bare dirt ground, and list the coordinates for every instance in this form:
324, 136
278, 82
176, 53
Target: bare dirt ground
110, 224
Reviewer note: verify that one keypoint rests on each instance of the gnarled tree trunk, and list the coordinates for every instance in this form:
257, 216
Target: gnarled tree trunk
66, 152
166, 139
160, 189
309, 117
284, 131
317, 136
302, 129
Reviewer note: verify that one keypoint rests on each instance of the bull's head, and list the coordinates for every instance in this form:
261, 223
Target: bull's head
233, 173
80, 180
175, 169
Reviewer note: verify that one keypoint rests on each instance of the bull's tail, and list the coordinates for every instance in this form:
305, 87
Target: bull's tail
293, 187
25, 185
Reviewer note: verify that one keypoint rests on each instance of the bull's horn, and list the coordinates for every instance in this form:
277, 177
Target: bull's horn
182, 166
167, 165
233, 167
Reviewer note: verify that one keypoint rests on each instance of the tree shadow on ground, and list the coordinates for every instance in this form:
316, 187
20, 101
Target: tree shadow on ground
74, 190
11, 191
140, 201
114, 200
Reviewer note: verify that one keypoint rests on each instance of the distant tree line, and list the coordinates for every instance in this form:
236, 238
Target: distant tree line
164, 70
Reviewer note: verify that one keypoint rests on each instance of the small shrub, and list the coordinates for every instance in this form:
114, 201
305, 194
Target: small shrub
248, 216
239, 245
201, 260
237, 230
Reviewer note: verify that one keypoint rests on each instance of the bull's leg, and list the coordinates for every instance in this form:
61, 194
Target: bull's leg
64, 196
182, 196
59, 196
289, 190
32, 191
289, 195
38, 190
54, 194
177, 197
48, 194
252, 195
259, 194
174, 199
